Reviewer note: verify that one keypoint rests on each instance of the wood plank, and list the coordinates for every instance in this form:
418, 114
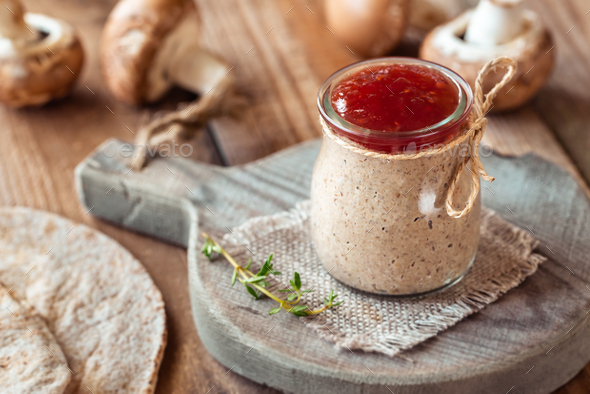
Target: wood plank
521, 132
278, 49
563, 103
559, 112
67, 130
41, 147
517, 132
234, 328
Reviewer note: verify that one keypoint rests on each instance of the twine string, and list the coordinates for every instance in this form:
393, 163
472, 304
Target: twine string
482, 104
184, 122
475, 126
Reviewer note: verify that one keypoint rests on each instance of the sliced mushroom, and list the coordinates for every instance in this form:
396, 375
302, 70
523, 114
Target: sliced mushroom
367, 27
40, 57
150, 45
495, 28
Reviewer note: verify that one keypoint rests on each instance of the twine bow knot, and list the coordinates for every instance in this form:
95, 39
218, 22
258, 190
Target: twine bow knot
477, 121
476, 124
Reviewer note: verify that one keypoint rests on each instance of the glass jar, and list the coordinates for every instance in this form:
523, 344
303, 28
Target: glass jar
379, 220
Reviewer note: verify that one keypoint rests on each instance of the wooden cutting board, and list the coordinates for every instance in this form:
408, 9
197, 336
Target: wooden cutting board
41, 147
533, 340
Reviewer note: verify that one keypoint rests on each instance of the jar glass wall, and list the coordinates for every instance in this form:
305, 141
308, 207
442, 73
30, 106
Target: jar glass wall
379, 222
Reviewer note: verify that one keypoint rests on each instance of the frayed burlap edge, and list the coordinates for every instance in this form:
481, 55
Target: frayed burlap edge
470, 301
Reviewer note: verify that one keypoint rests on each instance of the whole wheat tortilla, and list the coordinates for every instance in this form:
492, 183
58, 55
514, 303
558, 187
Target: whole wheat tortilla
31, 361
98, 301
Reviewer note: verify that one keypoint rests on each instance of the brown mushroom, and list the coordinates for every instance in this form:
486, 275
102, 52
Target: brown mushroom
425, 15
40, 57
495, 28
367, 27
150, 45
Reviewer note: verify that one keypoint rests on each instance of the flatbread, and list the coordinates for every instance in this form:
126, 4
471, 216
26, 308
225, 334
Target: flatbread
100, 303
31, 361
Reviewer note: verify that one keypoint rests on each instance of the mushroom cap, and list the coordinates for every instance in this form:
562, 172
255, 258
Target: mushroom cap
427, 14
42, 70
507, 3
531, 50
131, 39
368, 27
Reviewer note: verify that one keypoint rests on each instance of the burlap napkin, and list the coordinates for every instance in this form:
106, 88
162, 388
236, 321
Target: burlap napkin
380, 323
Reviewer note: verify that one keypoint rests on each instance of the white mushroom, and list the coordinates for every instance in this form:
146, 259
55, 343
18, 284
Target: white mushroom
496, 22
495, 28
150, 45
367, 27
40, 57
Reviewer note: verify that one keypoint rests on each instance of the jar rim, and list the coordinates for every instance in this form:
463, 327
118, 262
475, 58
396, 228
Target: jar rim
345, 127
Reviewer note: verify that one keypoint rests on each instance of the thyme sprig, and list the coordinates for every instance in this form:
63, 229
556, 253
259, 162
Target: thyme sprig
256, 283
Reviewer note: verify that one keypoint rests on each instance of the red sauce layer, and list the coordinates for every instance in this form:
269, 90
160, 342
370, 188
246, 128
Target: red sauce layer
396, 97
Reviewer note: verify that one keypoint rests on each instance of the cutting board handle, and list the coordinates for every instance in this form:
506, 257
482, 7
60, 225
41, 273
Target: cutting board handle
150, 201
170, 196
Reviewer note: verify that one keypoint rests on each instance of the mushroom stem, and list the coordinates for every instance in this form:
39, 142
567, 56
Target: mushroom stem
495, 22
12, 23
197, 70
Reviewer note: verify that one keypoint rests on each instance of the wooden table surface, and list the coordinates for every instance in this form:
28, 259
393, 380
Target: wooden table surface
282, 51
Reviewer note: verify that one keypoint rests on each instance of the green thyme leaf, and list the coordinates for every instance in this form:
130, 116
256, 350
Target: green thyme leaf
234, 277
297, 281
209, 247
300, 314
256, 284
255, 279
266, 267
299, 310
252, 291
263, 270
